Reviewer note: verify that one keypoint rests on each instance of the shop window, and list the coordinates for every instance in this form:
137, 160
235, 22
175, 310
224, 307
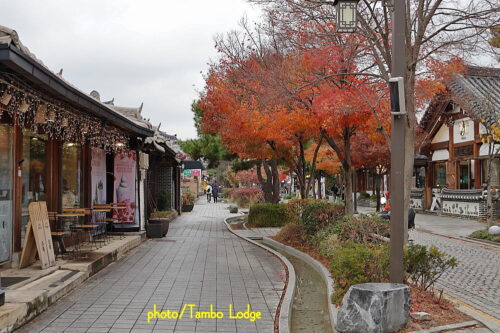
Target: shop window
5, 192
440, 175
34, 173
71, 174
495, 172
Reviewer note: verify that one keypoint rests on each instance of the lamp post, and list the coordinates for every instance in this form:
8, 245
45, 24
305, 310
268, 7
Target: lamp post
346, 22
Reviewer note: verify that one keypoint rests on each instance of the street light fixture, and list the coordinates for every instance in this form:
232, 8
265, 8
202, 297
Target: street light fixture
346, 15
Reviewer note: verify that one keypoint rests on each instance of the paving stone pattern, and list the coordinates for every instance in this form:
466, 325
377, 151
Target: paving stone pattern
200, 263
476, 279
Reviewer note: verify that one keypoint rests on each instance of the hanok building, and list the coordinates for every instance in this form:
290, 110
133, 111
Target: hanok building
59, 145
451, 172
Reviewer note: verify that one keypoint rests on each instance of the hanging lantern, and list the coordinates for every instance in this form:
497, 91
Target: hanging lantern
85, 129
24, 107
6, 97
346, 15
40, 114
64, 122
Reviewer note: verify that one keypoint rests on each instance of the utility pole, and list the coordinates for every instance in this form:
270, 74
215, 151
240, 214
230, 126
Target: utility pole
399, 210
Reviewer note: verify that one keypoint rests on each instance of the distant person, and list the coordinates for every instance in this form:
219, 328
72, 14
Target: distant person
209, 192
335, 191
215, 192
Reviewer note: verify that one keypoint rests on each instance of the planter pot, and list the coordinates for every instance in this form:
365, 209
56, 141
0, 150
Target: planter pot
187, 208
157, 228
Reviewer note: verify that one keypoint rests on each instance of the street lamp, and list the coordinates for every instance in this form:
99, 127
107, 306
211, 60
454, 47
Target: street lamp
346, 15
346, 22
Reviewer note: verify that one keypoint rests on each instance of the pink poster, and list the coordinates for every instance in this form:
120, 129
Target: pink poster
98, 176
125, 186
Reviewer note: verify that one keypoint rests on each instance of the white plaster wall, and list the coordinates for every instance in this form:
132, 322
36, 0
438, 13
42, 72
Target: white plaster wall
442, 135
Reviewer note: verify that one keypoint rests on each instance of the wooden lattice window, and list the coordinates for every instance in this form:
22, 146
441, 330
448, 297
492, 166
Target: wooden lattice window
464, 151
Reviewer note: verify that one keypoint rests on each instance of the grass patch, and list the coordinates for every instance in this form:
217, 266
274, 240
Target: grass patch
483, 234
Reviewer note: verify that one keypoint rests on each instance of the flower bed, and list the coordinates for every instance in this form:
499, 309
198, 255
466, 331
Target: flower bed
346, 246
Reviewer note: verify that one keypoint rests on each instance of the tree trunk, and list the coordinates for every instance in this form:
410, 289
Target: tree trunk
377, 190
275, 181
348, 195
265, 183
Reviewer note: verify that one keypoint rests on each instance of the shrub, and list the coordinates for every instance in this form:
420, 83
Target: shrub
291, 233
162, 202
423, 266
295, 207
359, 229
320, 214
329, 244
483, 234
364, 195
187, 199
288, 196
357, 263
245, 197
226, 191
266, 215
373, 197
161, 214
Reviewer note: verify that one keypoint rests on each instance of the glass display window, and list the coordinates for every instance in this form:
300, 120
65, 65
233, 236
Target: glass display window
34, 173
5, 192
71, 175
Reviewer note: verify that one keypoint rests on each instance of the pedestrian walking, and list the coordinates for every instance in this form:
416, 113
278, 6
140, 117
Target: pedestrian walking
209, 192
335, 191
215, 192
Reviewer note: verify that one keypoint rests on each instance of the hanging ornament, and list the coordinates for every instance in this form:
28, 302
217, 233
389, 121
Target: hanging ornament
6, 97
64, 122
51, 116
40, 114
24, 107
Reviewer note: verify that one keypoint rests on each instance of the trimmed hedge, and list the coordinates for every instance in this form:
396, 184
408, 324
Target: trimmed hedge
264, 215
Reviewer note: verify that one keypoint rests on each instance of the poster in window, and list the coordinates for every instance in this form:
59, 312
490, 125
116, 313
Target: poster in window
98, 176
124, 189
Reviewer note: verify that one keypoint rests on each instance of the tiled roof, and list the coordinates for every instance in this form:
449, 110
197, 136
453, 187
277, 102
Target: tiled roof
478, 93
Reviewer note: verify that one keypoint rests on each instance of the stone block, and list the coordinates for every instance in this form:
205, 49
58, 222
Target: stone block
422, 316
494, 230
374, 308
233, 209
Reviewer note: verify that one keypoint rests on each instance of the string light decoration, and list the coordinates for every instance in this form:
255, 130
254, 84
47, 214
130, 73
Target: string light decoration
56, 119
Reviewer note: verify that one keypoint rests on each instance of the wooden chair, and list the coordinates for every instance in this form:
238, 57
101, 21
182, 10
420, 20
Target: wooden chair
73, 214
99, 217
57, 234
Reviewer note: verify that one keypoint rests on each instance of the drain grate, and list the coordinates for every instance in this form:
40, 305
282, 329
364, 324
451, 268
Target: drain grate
7, 281
161, 240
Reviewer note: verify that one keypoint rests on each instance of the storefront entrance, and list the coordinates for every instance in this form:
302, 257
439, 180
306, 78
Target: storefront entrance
5, 192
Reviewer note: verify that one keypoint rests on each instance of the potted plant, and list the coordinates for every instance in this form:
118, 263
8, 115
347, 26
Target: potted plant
159, 222
187, 202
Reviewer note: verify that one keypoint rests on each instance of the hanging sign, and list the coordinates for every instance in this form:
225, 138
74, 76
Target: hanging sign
125, 185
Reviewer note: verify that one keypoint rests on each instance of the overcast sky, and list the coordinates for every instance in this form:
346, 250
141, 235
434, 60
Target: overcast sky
149, 51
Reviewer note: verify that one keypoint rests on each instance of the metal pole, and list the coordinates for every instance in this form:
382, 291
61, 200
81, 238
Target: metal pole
399, 211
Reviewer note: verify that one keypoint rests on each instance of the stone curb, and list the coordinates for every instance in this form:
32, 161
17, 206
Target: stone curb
448, 327
333, 311
285, 308
463, 239
15, 314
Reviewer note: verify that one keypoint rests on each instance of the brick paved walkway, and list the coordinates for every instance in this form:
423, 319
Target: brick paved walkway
205, 265
476, 280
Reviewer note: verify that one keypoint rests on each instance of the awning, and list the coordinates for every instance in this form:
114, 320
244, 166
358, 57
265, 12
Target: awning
440, 155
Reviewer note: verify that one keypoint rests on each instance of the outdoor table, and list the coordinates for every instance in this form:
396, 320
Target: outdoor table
76, 247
